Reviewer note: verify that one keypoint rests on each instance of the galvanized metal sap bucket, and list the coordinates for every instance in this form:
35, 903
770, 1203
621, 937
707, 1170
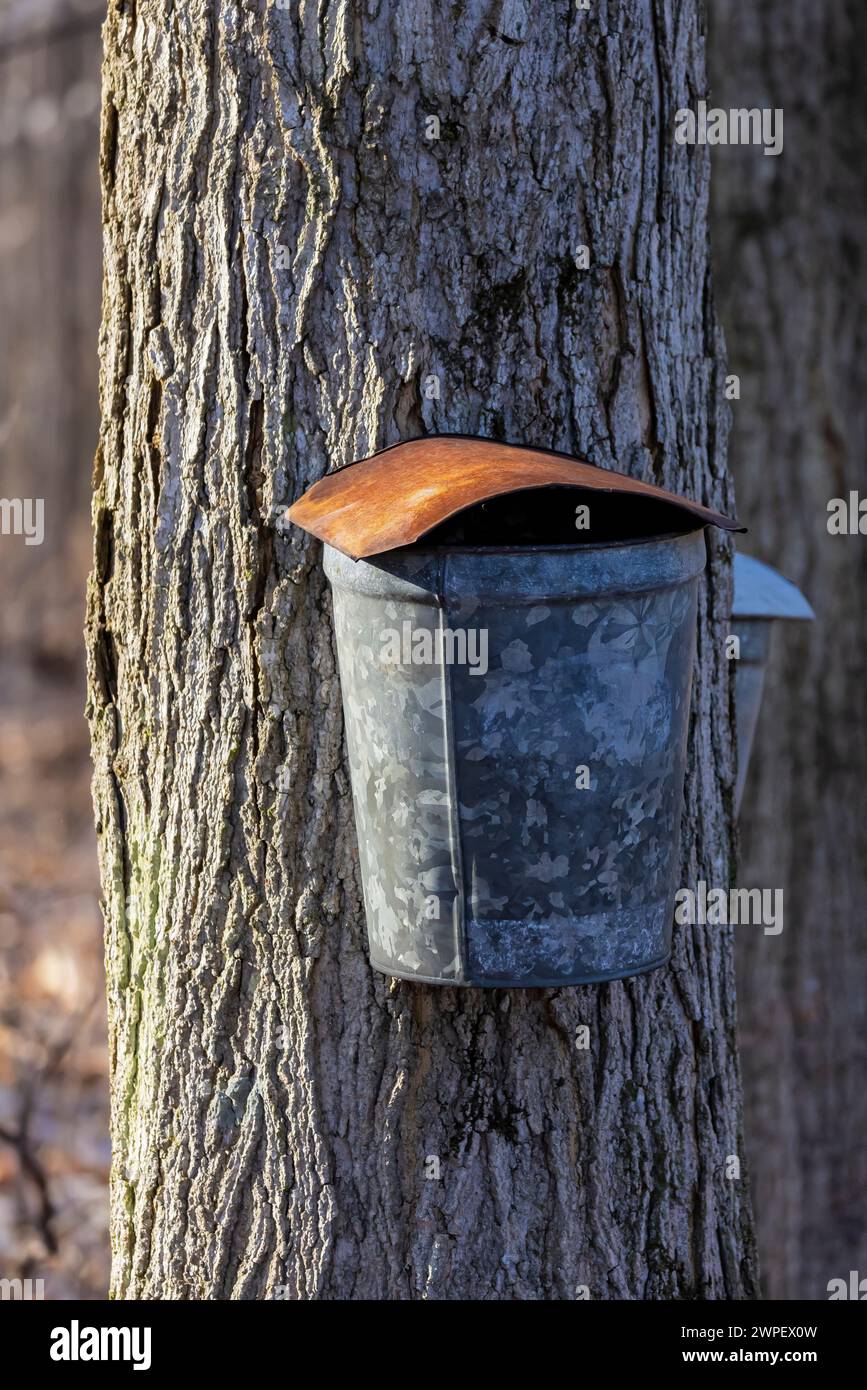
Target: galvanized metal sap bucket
516, 720
762, 597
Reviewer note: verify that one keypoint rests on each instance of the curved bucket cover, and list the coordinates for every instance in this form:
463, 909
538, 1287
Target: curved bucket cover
762, 592
401, 493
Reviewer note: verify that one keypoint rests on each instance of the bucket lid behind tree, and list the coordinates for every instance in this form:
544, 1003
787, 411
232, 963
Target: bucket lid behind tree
404, 492
762, 592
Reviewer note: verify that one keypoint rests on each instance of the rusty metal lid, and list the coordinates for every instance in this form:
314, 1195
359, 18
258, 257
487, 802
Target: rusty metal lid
401, 493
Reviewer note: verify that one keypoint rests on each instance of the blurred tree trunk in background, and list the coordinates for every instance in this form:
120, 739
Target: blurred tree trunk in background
50, 255
790, 239
290, 252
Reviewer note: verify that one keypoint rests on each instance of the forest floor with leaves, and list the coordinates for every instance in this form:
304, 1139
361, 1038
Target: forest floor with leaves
54, 1136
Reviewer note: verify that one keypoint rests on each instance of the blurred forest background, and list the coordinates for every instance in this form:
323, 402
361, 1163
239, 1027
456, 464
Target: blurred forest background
789, 242
54, 1151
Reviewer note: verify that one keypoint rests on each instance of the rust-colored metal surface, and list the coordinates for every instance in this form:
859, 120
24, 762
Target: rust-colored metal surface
400, 494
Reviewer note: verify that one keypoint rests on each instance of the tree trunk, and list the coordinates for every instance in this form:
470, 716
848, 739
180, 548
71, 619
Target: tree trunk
790, 235
290, 256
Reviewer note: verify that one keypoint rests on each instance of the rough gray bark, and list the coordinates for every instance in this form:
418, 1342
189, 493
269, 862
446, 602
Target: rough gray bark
274, 1100
789, 238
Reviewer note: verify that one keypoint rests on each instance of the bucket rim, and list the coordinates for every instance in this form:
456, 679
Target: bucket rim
579, 548
523, 573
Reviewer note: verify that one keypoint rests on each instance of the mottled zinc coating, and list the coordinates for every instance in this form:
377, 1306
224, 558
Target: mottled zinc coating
483, 862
